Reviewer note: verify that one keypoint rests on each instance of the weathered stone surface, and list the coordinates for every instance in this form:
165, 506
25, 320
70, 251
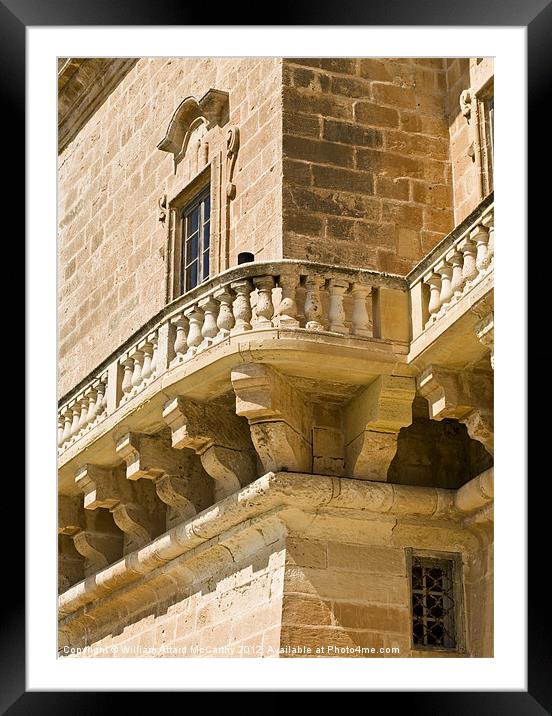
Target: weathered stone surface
279, 416
465, 395
347, 162
372, 421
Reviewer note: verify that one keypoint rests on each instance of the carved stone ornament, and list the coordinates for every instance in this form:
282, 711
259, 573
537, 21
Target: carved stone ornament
162, 204
232, 146
211, 108
466, 103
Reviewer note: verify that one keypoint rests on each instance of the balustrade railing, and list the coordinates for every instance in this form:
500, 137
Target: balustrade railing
286, 295
456, 266
83, 412
139, 366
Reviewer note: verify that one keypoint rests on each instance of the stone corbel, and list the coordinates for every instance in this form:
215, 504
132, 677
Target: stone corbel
152, 457
372, 420
98, 546
464, 395
107, 488
218, 436
484, 331
280, 417
70, 563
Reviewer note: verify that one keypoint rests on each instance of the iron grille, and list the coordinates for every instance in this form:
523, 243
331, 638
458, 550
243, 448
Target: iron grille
433, 605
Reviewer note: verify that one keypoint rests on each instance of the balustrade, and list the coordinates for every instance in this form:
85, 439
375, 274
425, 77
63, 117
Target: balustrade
459, 268
87, 409
286, 295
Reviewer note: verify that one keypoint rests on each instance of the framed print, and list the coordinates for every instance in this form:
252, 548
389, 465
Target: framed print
261, 277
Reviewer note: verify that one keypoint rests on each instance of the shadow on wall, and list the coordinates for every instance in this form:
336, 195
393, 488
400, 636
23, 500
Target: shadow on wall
433, 453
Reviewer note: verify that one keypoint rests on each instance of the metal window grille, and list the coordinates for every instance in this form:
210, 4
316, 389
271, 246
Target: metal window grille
433, 603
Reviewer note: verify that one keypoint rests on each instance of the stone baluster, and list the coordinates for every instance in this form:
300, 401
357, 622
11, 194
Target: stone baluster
147, 349
455, 259
83, 413
91, 394
128, 366
265, 308
313, 303
225, 319
181, 341
61, 424
469, 270
481, 237
67, 422
101, 399
209, 329
444, 269
195, 319
488, 223
336, 314
360, 318
75, 407
287, 313
242, 305
434, 282
138, 357
154, 341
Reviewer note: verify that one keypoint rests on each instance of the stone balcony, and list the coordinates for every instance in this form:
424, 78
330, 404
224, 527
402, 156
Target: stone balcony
271, 367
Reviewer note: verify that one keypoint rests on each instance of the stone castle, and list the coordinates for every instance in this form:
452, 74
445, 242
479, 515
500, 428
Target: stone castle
275, 423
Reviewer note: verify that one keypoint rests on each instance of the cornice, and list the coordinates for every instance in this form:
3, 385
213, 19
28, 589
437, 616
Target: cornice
83, 85
273, 494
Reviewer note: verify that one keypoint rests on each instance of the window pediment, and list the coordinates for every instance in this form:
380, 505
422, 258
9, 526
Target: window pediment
190, 113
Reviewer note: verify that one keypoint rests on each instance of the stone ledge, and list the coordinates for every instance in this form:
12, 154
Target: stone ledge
270, 495
83, 85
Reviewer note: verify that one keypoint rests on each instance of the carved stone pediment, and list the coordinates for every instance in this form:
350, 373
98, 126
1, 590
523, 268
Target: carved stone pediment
189, 115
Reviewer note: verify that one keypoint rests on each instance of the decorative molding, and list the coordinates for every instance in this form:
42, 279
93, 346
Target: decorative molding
163, 208
466, 103
232, 147
83, 86
210, 109
274, 494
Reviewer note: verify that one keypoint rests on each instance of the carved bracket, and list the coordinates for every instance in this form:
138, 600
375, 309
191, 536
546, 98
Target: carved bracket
178, 483
107, 488
70, 563
464, 395
372, 420
280, 417
218, 436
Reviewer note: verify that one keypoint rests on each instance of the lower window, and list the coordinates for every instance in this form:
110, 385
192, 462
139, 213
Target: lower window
435, 602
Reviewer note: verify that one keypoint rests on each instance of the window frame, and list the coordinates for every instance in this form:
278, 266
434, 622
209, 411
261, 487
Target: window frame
201, 184
485, 128
198, 202
458, 593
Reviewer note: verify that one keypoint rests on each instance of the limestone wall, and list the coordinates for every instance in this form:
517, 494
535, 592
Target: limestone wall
112, 246
367, 178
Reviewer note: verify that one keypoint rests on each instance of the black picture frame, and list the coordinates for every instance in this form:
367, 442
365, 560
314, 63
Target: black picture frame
536, 16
